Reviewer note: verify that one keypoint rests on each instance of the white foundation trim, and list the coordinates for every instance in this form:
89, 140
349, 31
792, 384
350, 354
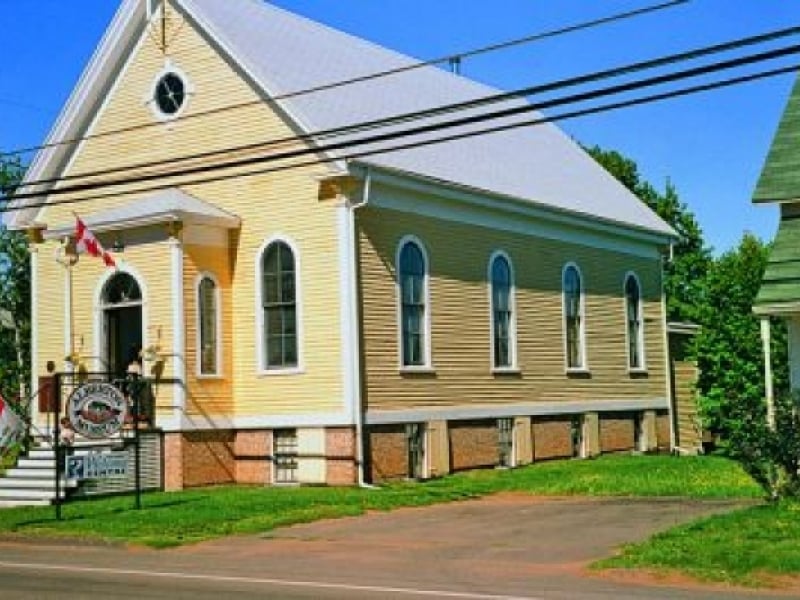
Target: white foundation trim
185, 422
422, 415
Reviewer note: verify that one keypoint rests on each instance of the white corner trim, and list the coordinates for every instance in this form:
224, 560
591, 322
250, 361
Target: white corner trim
34, 405
673, 435
548, 408
348, 309
584, 366
261, 358
218, 372
178, 322
428, 364
512, 334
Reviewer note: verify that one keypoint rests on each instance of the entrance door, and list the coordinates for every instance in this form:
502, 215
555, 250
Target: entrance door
122, 314
124, 343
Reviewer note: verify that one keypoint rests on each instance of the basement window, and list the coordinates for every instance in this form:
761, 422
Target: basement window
285, 455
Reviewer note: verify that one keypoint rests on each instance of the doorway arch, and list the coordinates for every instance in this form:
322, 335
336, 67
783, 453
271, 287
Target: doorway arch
122, 329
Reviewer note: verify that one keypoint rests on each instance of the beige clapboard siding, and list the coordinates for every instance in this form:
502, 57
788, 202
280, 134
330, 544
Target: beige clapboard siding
208, 395
269, 204
459, 307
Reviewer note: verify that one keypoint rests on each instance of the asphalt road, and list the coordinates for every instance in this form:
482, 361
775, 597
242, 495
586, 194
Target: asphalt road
500, 547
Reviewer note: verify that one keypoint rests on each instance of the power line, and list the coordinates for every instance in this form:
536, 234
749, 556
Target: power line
429, 128
314, 137
465, 135
372, 76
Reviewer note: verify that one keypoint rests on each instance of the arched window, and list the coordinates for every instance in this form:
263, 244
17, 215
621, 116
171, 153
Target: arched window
208, 326
412, 279
279, 303
122, 288
502, 308
633, 317
574, 317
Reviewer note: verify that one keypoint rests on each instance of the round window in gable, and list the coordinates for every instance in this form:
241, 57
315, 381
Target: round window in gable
170, 94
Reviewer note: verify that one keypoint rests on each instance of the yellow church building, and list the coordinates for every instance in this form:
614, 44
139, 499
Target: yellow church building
314, 304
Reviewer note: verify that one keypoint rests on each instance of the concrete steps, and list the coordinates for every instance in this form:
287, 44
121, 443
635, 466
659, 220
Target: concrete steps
31, 482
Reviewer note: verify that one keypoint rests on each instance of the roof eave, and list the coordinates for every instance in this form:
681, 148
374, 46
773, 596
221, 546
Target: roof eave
501, 201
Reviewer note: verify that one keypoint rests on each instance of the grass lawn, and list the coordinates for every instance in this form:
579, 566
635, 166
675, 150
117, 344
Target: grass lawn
748, 547
201, 514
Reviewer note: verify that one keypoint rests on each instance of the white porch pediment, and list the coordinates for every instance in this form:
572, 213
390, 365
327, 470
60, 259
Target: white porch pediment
169, 206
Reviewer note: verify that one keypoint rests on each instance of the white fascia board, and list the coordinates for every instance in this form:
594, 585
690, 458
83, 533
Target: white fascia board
462, 413
266, 88
508, 204
187, 218
492, 215
86, 96
782, 309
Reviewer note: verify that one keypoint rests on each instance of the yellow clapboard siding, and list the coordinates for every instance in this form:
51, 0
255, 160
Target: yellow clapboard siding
460, 320
280, 203
207, 395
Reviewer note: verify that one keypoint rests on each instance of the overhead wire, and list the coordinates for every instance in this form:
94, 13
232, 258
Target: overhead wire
426, 128
314, 137
602, 21
739, 80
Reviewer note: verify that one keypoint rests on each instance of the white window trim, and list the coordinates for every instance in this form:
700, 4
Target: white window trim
584, 368
427, 367
188, 90
640, 309
261, 369
512, 300
218, 373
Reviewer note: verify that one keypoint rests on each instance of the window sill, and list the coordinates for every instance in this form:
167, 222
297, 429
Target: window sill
423, 370
506, 371
209, 376
578, 372
640, 372
282, 372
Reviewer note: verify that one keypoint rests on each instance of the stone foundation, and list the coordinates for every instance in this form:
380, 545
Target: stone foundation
214, 457
552, 437
473, 444
388, 453
617, 432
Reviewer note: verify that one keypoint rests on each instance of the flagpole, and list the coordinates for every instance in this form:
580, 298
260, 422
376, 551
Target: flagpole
68, 260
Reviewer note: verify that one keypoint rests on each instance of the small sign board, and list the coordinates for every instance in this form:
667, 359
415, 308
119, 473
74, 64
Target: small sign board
97, 410
97, 465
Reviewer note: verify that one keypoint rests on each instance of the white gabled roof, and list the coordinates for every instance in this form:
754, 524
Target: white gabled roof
283, 52
171, 205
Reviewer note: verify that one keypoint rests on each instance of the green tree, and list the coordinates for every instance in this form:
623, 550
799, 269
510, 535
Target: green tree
15, 329
729, 348
684, 274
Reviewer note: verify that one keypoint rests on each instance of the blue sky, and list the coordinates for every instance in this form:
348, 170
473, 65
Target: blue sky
711, 146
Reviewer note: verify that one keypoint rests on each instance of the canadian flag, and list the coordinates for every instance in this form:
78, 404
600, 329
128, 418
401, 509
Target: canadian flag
86, 243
